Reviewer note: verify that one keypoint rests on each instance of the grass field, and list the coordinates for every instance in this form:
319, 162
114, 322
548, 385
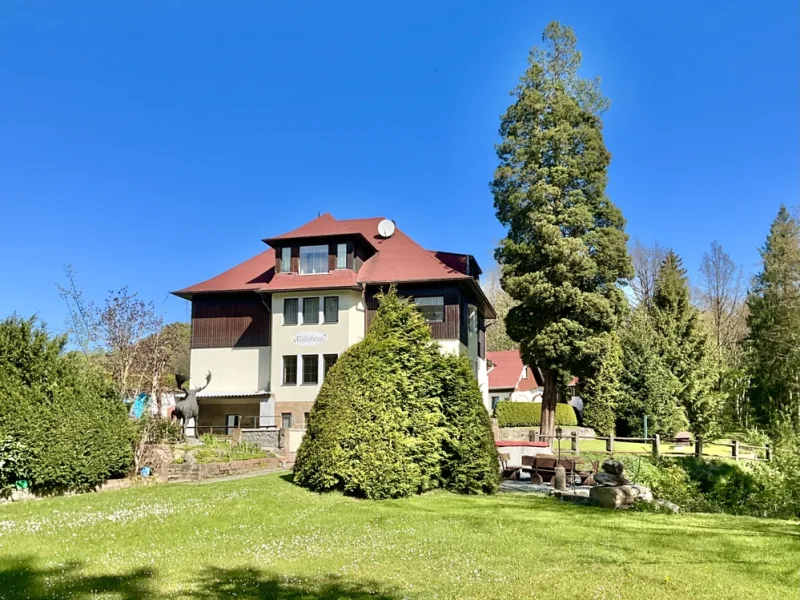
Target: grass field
264, 538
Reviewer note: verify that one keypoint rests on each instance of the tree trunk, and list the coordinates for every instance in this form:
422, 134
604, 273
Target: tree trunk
549, 401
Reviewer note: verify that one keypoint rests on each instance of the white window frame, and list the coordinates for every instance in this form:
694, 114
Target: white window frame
324, 264
320, 308
423, 298
286, 265
297, 366
341, 255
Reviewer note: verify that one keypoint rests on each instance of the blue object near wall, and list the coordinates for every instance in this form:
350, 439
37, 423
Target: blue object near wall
140, 404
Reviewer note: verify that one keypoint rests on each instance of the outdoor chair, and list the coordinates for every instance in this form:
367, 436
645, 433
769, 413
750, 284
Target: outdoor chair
506, 470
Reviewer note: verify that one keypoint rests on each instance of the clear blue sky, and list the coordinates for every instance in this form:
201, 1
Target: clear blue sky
153, 144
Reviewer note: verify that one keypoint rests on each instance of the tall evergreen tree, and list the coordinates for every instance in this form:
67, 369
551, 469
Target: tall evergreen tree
565, 247
774, 320
684, 345
602, 392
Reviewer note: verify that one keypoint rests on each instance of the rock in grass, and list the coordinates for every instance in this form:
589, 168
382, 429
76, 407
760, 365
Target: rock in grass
613, 497
614, 467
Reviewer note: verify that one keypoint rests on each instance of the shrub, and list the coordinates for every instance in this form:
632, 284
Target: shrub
376, 425
74, 428
469, 464
529, 414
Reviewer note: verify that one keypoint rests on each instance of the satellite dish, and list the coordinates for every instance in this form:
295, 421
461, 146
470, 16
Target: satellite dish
386, 228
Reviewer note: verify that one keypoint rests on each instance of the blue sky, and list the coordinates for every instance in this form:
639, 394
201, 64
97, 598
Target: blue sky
153, 144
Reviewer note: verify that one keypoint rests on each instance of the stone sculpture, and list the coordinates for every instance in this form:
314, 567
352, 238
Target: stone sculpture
186, 408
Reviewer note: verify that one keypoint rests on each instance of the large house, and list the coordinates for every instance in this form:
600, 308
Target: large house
269, 329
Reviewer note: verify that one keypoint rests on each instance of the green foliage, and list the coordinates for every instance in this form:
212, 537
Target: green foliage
529, 414
602, 393
565, 247
684, 346
214, 450
497, 338
648, 387
774, 321
376, 426
469, 465
12, 455
74, 427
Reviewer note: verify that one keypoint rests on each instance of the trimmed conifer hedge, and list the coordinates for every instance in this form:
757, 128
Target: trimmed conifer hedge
529, 414
68, 427
394, 417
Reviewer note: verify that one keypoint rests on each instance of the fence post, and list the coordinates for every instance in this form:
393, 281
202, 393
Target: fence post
657, 446
769, 451
610, 444
698, 447
574, 442
735, 449
535, 436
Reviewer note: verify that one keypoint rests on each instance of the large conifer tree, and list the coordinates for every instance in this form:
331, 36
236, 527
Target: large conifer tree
564, 251
684, 345
774, 320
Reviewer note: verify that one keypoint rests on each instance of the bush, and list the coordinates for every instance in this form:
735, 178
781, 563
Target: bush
74, 428
395, 417
529, 414
376, 426
469, 464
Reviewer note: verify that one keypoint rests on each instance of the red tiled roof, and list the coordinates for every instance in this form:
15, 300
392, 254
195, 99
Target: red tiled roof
397, 259
507, 372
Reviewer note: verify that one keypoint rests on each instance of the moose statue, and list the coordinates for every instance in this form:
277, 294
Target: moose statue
186, 408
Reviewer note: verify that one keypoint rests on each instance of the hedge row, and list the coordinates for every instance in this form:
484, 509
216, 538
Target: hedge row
529, 414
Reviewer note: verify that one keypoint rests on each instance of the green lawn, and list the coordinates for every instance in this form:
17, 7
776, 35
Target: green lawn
264, 538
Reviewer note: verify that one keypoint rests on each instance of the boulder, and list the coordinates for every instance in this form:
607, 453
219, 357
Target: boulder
665, 506
608, 479
643, 493
614, 467
613, 497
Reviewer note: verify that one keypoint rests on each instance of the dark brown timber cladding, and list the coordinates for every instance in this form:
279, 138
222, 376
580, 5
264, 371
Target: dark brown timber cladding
447, 330
230, 321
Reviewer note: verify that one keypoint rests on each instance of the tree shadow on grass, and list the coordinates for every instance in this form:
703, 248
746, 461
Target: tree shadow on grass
21, 578
252, 584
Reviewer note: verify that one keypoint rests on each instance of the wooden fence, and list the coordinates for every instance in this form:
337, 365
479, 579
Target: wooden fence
659, 447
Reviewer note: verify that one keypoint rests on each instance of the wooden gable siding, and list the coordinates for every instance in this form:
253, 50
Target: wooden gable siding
229, 321
446, 330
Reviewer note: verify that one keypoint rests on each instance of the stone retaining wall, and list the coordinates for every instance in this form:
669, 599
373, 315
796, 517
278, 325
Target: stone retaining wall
266, 439
525, 434
198, 472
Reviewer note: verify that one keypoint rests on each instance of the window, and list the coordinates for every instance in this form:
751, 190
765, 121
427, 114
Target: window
286, 420
289, 370
290, 311
495, 400
286, 260
313, 259
341, 256
432, 308
472, 323
331, 309
328, 360
310, 310
310, 369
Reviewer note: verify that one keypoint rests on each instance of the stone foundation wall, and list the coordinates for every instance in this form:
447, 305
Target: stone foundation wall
198, 472
525, 434
266, 439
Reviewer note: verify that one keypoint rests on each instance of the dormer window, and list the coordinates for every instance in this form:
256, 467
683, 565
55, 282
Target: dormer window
341, 256
286, 259
313, 260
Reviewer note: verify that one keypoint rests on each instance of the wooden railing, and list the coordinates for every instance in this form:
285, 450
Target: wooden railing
658, 446
245, 422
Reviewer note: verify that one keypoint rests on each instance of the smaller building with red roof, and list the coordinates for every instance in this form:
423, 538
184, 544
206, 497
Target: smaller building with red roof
511, 379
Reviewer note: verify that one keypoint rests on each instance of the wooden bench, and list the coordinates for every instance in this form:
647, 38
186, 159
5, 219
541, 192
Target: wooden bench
509, 471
